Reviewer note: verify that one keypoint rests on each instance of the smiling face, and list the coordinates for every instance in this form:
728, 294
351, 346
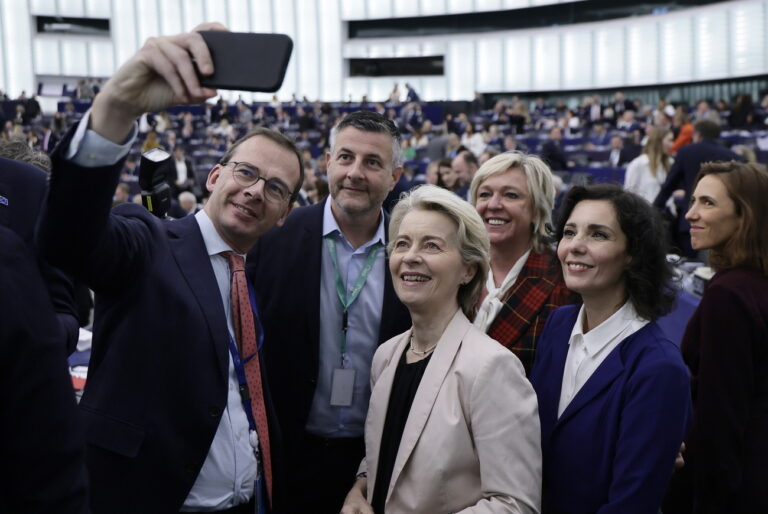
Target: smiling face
712, 214
505, 204
426, 264
360, 171
242, 214
593, 252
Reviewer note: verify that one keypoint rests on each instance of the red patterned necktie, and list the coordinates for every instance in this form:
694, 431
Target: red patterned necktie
245, 332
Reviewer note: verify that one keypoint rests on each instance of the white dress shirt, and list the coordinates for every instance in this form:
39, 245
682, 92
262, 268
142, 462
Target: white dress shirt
587, 351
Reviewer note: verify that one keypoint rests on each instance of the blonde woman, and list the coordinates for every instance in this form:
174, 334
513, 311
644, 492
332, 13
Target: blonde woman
647, 172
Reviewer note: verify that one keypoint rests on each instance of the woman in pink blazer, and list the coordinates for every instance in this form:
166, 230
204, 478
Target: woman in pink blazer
453, 423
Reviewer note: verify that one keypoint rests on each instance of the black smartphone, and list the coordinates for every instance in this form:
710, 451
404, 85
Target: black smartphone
247, 61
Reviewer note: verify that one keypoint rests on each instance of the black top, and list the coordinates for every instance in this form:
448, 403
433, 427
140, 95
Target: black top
404, 387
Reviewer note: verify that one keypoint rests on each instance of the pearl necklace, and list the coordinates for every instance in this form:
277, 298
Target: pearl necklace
420, 353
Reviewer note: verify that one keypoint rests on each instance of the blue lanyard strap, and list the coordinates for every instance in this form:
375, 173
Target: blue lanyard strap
341, 291
239, 363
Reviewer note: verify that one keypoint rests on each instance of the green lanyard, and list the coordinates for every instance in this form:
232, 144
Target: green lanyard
347, 301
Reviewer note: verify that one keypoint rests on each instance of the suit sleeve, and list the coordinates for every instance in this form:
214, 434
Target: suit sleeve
78, 233
674, 181
725, 383
507, 437
653, 423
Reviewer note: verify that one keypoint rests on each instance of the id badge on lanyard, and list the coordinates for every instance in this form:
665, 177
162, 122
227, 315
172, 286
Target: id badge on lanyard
343, 380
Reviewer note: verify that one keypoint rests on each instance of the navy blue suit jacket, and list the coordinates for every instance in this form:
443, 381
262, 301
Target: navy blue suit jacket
22, 190
613, 449
285, 269
686, 166
41, 440
158, 376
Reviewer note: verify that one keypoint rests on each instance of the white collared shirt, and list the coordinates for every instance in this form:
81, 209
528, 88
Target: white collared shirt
587, 351
230, 468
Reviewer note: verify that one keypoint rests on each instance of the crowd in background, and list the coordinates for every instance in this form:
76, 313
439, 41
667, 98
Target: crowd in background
605, 131
592, 387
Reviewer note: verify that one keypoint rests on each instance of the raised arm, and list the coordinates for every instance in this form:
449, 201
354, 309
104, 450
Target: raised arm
77, 231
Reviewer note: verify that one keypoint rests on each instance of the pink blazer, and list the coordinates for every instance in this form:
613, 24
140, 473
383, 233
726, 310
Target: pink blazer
472, 442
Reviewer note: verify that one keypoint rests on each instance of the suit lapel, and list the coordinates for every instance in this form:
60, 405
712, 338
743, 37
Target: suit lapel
188, 249
552, 383
603, 376
441, 361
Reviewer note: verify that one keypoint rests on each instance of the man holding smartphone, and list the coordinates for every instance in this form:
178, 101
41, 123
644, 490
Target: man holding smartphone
327, 302
176, 415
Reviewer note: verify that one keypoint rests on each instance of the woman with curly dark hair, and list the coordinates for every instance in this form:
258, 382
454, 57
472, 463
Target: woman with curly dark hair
613, 390
726, 347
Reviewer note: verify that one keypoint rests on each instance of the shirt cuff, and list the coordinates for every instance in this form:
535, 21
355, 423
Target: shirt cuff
90, 150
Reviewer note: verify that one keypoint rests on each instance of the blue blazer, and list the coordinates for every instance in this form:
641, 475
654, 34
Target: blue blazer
613, 449
158, 376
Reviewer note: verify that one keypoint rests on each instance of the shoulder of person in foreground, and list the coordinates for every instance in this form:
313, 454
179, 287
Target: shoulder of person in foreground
42, 443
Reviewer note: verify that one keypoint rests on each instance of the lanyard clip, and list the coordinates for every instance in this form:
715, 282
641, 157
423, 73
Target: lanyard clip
345, 321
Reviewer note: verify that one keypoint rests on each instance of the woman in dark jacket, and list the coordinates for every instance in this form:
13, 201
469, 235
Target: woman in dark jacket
726, 347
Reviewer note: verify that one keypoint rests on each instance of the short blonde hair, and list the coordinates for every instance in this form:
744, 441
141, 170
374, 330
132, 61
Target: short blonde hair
472, 236
538, 176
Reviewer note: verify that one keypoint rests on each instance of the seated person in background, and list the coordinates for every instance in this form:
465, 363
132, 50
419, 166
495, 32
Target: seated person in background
613, 390
188, 202
552, 151
599, 138
620, 155
465, 166
683, 129
122, 194
452, 421
512, 144
726, 457
179, 172
513, 193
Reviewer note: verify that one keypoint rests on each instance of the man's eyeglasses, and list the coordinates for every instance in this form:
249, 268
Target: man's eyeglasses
247, 175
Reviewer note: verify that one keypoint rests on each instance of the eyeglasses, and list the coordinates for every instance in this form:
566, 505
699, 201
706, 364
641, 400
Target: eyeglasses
247, 175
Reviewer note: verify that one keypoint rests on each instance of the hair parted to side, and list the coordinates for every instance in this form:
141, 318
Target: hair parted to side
540, 185
278, 138
747, 186
649, 277
472, 237
371, 121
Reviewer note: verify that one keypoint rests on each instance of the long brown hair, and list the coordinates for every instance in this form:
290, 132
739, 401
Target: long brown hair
654, 149
747, 186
